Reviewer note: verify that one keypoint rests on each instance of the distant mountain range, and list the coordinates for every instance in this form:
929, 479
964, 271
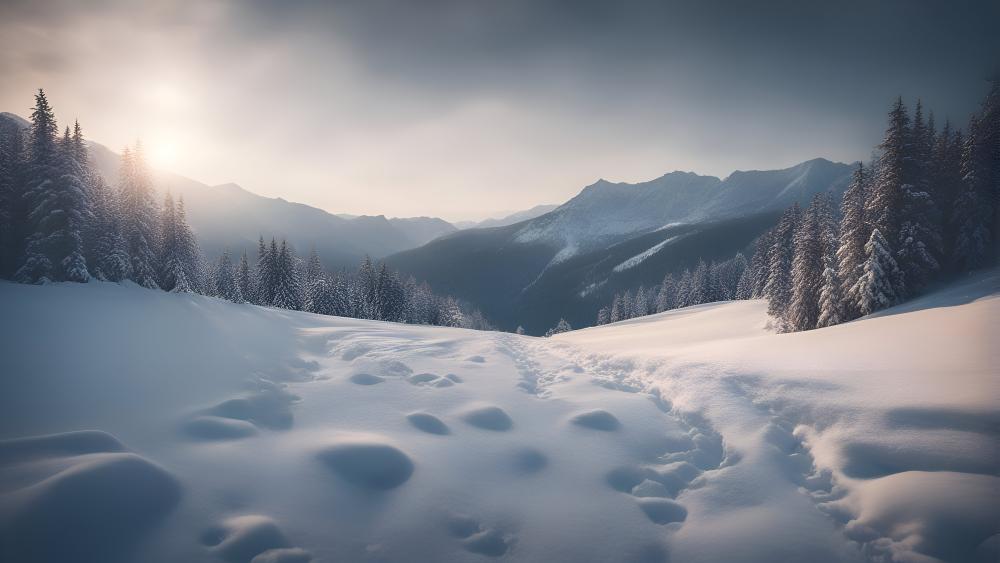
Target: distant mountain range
610, 237
531, 267
229, 217
508, 219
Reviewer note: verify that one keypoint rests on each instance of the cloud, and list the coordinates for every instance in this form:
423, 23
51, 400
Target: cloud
464, 107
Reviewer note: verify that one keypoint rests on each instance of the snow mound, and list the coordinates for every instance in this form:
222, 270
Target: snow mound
597, 419
368, 463
428, 423
488, 417
81, 499
366, 379
218, 428
250, 538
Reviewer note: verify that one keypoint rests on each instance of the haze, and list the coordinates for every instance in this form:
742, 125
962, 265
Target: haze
472, 108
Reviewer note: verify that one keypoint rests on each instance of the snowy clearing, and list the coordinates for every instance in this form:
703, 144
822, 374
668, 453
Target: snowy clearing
146, 426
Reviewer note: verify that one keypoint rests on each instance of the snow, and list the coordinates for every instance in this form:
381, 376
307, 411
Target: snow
642, 256
144, 426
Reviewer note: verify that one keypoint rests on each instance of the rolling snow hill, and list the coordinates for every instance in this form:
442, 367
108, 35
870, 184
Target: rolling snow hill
569, 262
146, 426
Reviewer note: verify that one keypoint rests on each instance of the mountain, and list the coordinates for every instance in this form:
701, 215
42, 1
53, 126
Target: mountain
610, 237
229, 216
508, 219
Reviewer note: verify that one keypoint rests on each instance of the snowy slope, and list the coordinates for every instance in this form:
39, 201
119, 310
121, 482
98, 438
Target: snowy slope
889, 424
184, 428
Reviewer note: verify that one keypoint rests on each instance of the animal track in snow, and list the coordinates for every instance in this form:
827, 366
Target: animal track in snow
251, 538
476, 538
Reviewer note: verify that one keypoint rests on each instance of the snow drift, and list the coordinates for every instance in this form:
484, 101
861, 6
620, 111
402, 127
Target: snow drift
145, 426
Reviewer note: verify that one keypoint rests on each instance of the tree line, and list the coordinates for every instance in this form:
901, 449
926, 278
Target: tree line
60, 221
707, 282
924, 208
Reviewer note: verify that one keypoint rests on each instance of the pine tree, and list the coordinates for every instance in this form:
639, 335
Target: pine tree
831, 300
778, 288
139, 218
973, 208
807, 271
640, 304
288, 292
684, 289
603, 315
919, 240
760, 264
854, 234
561, 327
266, 267
367, 291
244, 281
57, 204
390, 297
877, 287
13, 212
617, 313
666, 298
180, 259
225, 285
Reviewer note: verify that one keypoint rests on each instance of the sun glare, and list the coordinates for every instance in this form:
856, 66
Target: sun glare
163, 152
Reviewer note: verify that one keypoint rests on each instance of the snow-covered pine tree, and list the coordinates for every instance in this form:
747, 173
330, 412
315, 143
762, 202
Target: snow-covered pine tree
180, 258
876, 288
317, 287
897, 172
628, 305
684, 289
56, 203
617, 312
666, 298
110, 261
733, 273
807, 271
744, 287
640, 303
225, 285
287, 281
919, 242
390, 296
603, 314
760, 264
831, 300
561, 327
973, 212
778, 288
854, 234
946, 183
13, 215
266, 282
367, 291
449, 313
245, 281
139, 217
700, 289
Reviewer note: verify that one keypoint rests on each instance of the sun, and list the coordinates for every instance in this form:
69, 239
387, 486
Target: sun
163, 152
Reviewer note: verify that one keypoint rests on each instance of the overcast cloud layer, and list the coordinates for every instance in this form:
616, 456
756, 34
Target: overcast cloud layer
468, 108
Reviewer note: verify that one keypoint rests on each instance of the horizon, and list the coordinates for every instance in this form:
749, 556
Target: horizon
454, 221
471, 110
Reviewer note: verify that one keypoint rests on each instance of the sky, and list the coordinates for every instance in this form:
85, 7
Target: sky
464, 109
